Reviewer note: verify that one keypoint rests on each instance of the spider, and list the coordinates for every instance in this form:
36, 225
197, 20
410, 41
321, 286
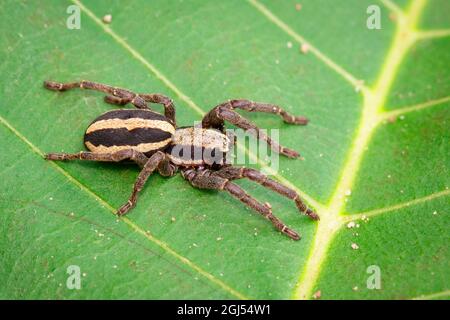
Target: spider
154, 142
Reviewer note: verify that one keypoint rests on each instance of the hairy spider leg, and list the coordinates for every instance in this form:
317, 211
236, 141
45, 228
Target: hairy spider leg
205, 179
119, 96
138, 157
233, 173
225, 112
148, 165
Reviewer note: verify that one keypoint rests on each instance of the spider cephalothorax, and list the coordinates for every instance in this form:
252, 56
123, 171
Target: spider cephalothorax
154, 142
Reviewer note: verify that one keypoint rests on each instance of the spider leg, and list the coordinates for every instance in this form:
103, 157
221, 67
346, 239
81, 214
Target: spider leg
204, 179
233, 173
169, 107
148, 165
166, 168
115, 95
146, 171
131, 154
216, 117
117, 101
253, 106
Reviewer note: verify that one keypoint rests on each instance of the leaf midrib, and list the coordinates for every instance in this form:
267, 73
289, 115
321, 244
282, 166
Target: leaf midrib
333, 218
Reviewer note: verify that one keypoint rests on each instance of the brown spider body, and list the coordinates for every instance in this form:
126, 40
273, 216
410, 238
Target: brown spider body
147, 132
155, 143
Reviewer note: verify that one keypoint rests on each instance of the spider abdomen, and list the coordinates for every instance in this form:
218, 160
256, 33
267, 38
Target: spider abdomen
141, 130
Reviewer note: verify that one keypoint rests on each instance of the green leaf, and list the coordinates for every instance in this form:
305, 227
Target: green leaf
376, 152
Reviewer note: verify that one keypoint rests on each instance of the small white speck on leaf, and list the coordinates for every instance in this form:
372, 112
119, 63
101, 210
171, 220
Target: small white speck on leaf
219, 238
173, 219
351, 224
348, 192
304, 48
435, 213
289, 44
317, 295
107, 18
355, 288
355, 246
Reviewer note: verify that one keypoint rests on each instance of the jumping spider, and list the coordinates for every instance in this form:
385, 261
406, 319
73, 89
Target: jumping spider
155, 142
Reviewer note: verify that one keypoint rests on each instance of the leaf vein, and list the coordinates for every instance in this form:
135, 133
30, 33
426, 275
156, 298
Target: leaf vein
433, 295
396, 207
300, 39
389, 114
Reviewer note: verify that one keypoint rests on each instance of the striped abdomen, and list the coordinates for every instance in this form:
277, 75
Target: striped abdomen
142, 130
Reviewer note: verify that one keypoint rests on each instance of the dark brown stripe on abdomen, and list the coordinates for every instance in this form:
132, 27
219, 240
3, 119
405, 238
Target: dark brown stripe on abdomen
123, 137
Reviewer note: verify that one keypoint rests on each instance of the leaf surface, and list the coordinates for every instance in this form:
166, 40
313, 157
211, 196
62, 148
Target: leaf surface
377, 146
